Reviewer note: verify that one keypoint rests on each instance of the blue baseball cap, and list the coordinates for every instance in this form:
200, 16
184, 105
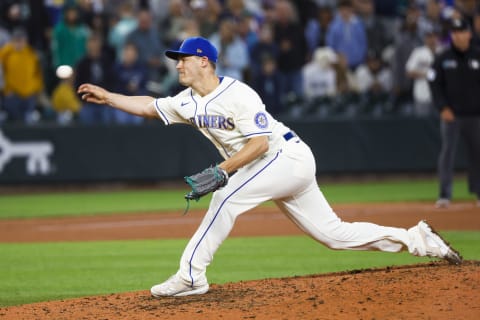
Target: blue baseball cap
195, 46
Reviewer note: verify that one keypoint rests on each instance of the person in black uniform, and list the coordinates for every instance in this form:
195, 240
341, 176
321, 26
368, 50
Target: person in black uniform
455, 85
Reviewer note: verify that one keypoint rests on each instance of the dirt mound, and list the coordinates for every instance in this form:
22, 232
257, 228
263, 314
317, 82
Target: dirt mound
424, 291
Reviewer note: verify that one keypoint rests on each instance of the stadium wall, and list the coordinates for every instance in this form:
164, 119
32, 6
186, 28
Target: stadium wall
153, 152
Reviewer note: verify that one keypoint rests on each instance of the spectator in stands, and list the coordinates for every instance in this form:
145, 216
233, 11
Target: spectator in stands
30, 15
268, 12
374, 83
124, 25
206, 13
407, 39
12, 15
22, 76
319, 77
346, 83
417, 68
247, 30
158, 8
95, 67
306, 10
346, 35
378, 38
431, 18
174, 22
69, 39
232, 50
234, 9
88, 10
389, 13
267, 84
316, 28
290, 38
150, 48
265, 47
346, 100
65, 101
54, 11
130, 79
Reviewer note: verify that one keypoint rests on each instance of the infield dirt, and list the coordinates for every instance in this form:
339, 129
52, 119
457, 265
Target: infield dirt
426, 291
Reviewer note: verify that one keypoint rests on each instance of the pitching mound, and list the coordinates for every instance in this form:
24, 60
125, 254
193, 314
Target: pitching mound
425, 291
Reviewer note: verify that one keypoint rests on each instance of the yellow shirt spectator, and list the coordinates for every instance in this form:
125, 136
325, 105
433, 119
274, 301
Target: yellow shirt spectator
21, 68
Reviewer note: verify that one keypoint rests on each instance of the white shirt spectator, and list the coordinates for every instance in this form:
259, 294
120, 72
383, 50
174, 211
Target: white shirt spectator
419, 62
319, 77
365, 78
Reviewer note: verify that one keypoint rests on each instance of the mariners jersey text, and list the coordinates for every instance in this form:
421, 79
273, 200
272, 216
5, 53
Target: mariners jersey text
213, 122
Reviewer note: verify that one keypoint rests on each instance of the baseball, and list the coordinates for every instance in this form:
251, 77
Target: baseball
64, 72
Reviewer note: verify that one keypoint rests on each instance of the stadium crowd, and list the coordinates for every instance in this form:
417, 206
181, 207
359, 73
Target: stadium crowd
306, 58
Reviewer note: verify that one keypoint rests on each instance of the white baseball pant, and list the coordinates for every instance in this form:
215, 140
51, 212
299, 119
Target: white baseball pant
288, 177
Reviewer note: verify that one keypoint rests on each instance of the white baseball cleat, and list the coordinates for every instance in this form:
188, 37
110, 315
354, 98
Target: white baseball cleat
176, 287
442, 203
427, 242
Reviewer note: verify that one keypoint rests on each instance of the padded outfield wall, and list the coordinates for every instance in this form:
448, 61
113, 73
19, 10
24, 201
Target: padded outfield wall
153, 152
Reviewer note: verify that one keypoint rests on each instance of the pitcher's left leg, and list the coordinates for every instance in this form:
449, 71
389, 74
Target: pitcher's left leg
312, 213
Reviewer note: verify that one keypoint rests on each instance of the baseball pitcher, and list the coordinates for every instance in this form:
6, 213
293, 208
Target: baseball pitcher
264, 160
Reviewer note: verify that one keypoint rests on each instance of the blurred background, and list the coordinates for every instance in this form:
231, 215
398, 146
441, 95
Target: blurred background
349, 76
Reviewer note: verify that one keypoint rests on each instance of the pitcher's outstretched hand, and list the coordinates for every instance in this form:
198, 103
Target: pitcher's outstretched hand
92, 93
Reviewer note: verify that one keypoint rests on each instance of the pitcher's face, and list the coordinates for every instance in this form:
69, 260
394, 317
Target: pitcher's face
189, 69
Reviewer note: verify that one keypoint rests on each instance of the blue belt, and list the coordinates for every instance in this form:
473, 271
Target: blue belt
289, 135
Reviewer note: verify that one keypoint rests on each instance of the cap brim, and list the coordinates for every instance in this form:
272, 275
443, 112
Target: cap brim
176, 54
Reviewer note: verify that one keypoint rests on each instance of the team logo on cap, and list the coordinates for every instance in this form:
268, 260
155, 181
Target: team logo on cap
261, 120
199, 51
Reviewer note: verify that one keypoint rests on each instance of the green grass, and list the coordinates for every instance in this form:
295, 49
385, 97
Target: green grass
52, 271
93, 203
391, 191
102, 202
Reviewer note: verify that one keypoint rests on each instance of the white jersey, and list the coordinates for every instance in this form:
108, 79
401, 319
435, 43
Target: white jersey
420, 60
228, 116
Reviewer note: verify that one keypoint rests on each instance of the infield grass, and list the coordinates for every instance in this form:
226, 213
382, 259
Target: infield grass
52, 271
104, 202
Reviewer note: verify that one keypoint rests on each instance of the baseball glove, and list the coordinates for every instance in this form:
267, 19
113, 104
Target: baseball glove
205, 182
